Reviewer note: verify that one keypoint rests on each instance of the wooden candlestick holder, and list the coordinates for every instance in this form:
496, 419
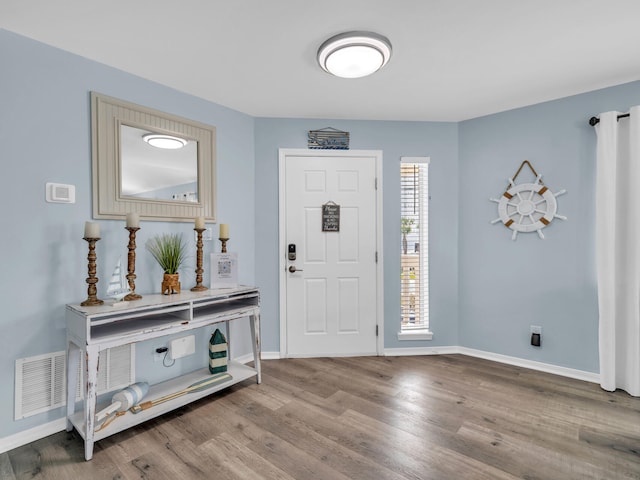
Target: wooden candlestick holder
224, 244
92, 279
199, 287
131, 264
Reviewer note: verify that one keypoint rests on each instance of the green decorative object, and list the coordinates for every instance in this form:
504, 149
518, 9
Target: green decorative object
218, 352
169, 250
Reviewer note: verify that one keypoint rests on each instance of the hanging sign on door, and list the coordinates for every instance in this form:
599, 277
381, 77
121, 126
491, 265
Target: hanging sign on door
330, 217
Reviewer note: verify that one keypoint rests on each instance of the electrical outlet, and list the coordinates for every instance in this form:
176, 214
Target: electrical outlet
536, 335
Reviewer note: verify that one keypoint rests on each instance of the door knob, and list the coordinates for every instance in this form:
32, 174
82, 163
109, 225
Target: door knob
293, 269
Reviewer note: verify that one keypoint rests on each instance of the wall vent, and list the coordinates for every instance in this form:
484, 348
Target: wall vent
41, 380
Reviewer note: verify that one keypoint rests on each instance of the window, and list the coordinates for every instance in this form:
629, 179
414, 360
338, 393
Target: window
414, 254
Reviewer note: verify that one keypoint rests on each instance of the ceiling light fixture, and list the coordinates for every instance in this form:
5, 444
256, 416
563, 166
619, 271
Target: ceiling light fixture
354, 54
164, 141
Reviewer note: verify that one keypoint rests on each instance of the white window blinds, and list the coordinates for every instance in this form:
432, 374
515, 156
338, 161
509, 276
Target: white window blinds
414, 276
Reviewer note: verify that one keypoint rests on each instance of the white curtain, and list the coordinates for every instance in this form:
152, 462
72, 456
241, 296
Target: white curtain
618, 250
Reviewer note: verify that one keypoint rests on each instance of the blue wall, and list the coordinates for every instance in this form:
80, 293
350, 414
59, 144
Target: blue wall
395, 139
485, 289
506, 286
45, 136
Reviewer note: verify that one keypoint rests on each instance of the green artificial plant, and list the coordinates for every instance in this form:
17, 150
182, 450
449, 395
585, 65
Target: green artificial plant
169, 250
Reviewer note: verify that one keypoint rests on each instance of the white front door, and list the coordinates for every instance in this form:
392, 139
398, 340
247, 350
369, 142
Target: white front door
329, 306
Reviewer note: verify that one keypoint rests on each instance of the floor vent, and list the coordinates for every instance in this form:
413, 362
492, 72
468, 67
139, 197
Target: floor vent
41, 380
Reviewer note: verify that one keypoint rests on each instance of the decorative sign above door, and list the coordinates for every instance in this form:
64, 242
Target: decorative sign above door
330, 217
328, 138
527, 207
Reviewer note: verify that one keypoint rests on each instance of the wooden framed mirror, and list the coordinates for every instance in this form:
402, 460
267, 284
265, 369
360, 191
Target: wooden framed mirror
132, 175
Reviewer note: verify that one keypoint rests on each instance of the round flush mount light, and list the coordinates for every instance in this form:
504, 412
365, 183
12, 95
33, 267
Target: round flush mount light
164, 141
354, 54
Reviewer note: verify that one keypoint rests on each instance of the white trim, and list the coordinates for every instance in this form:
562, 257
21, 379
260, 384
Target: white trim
282, 199
496, 357
415, 159
380, 254
269, 356
533, 365
303, 152
332, 355
248, 357
417, 334
31, 435
412, 351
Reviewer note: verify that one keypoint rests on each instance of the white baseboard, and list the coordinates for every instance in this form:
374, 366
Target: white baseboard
496, 357
270, 355
412, 351
533, 365
41, 431
36, 433
471, 352
248, 357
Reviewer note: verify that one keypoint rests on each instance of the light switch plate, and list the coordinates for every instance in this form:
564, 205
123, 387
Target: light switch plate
207, 235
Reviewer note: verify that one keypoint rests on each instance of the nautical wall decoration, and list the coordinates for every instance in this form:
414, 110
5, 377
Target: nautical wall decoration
328, 138
527, 207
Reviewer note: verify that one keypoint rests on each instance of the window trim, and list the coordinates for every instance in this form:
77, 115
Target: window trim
416, 334
419, 332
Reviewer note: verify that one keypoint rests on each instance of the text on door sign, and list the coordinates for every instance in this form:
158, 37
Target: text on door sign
330, 217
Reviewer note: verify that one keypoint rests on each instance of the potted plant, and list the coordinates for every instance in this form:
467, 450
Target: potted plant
406, 226
169, 250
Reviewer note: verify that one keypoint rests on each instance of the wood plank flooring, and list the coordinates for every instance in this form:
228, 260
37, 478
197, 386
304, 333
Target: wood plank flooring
447, 417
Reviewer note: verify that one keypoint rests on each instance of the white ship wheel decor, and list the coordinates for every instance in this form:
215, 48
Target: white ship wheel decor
527, 207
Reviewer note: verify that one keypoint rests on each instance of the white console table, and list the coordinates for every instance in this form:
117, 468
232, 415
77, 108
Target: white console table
91, 329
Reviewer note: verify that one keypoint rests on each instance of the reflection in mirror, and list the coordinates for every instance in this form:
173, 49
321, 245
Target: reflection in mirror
157, 173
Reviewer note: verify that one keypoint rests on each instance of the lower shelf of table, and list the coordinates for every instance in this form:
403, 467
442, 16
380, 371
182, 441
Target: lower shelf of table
238, 371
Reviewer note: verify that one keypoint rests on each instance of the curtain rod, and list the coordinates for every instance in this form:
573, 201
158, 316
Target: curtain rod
593, 121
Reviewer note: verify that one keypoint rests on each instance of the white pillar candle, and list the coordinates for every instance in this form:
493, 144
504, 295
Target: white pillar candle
200, 223
224, 230
133, 220
91, 230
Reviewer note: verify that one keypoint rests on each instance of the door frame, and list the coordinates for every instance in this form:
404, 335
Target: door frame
283, 153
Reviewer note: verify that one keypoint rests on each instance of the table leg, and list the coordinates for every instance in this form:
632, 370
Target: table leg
90, 400
73, 365
254, 322
228, 329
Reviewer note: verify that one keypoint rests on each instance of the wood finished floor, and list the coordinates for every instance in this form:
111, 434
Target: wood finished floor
435, 417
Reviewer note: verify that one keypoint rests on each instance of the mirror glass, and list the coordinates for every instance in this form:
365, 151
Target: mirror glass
131, 176
157, 173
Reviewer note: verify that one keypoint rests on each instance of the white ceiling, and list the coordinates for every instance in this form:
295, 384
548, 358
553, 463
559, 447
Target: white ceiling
452, 59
